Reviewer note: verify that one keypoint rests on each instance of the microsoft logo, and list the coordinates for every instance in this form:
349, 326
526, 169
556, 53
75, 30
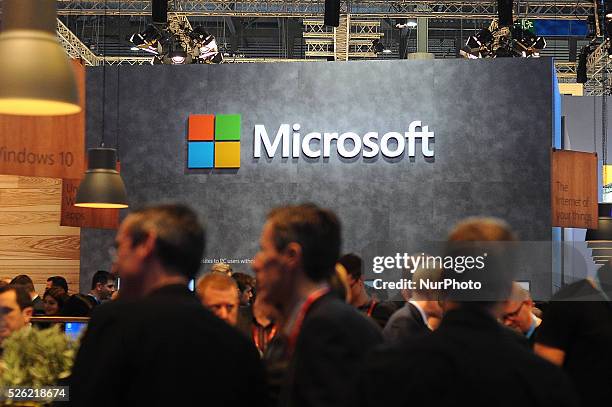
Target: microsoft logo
213, 141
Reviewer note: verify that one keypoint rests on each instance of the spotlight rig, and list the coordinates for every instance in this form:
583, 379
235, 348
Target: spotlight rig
496, 42
194, 46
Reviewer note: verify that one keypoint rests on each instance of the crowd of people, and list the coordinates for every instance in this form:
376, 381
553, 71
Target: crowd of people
305, 331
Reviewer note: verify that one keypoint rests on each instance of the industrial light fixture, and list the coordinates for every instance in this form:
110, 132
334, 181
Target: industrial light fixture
36, 77
601, 238
177, 57
177, 54
102, 186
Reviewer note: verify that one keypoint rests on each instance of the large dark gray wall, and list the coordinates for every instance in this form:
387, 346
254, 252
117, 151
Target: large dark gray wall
492, 141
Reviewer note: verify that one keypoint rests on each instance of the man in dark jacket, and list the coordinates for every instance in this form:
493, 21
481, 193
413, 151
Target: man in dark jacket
325, 339
413, 318
157, 345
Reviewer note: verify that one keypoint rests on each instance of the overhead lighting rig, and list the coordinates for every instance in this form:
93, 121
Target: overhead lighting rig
169, 48
496, 42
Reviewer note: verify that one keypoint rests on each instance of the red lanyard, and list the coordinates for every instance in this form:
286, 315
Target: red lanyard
297, 326
266, 337
371, 307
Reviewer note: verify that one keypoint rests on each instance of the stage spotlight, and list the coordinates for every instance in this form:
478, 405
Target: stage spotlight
472, 43
147, 40
484, 36
406, 23
177, 57
198, 33
208, 51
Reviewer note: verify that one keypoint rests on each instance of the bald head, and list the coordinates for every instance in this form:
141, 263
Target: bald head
219, 293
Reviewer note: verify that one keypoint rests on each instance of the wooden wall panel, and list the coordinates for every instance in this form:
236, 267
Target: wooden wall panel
32, 241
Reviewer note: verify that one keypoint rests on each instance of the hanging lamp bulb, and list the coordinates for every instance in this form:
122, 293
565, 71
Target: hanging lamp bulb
102, 186
35, 74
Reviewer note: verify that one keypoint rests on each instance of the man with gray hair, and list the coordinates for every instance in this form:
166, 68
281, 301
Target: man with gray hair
517, 313
412, 318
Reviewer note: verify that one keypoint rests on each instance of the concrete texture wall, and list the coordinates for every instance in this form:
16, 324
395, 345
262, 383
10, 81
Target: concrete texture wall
492, 141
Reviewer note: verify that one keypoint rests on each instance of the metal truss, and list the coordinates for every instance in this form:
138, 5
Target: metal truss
321, 45
599, 71
566, 72
351, 40
361, 49
74, 47
475, 9
128, 61
179, 25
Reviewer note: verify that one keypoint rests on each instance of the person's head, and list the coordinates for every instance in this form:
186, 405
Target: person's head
58, 281
354, 270
54, 300
517, 311
156, 244
298, 244
428, 298
219, 293
246, 284
488, 245
25, 281
77, 305
15, 309
223, 268
102, 285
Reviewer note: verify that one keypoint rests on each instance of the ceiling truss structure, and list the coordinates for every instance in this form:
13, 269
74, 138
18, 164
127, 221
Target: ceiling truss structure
353, 39
566, 71
319, 38
542, 9
599, 71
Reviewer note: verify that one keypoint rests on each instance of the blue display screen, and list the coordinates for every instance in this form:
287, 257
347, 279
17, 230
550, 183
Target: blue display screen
74, 329
551, 28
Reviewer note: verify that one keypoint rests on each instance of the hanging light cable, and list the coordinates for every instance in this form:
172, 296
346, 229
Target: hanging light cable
102, 186
36, 77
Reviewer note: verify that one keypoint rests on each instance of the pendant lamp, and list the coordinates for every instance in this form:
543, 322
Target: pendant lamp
36, 77
102, 186
601, 238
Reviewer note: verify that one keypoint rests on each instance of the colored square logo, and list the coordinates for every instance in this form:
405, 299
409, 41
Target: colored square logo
227, 154
227, 127
201, 154
201, 127
213, 141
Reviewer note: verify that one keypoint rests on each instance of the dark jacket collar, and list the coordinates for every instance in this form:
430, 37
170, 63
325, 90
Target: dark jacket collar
469, 317
171, 290
416, 314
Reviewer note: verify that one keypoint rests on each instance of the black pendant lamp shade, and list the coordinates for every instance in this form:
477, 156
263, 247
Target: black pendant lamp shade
600, 240
36, 77
102, 186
